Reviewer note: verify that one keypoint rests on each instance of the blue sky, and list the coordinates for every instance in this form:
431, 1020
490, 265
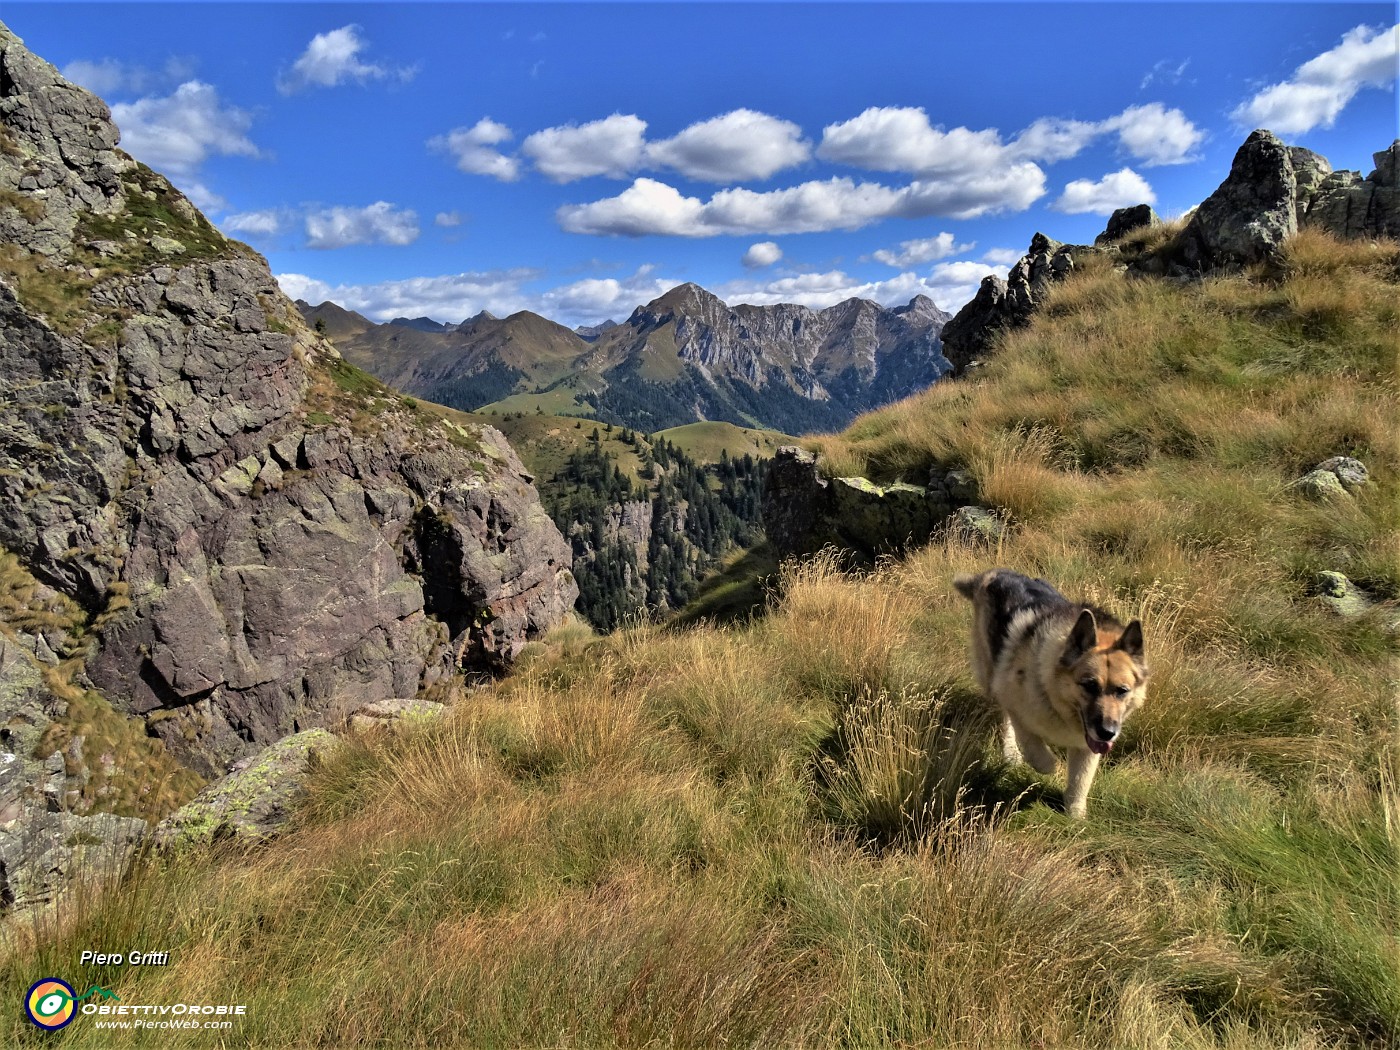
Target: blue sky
580, 159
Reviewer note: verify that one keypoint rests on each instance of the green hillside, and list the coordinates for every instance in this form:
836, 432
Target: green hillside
706, 442
795, 832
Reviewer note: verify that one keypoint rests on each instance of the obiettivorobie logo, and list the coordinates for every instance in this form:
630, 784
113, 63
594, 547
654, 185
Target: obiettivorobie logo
51, 1003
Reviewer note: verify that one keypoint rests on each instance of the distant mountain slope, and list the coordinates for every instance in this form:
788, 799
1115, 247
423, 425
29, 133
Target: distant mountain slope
683, 358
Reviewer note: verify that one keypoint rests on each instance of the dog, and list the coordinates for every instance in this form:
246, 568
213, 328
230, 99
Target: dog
1065, 674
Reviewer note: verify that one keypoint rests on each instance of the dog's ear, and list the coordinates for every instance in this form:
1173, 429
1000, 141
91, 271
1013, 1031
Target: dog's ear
1130, 641
1083, 638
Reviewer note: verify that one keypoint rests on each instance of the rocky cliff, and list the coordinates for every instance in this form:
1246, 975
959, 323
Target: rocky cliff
249, 536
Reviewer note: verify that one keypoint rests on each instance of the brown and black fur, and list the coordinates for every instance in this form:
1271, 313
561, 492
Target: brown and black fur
1065, 674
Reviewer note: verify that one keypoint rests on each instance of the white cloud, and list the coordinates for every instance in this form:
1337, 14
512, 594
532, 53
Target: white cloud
928, 249
949, 285
652, 207
597, 299
734, 147
448, 298
1050, 139
176, 132
472, 149
333, 58
1119, 189
377, 223
1320, 88
110, 77
1164, 72
647, 206
266, 223
106, 77
764, 253
447, 219
902, 139
612, 146
202, 197
1002, 256
1156, 135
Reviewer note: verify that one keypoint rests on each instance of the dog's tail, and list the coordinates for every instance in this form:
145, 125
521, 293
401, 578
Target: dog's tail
966, 583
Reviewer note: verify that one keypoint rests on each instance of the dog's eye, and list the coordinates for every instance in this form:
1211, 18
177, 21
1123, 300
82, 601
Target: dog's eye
1121, 690
1090, 686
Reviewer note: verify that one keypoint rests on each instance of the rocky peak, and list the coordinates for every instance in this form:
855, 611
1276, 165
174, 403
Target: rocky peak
921, 310
685, 302
421, 324
59, 143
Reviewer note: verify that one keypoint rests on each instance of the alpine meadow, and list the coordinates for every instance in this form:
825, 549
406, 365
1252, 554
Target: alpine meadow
588, 708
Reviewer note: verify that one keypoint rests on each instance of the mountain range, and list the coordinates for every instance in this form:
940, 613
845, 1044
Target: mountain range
682, 358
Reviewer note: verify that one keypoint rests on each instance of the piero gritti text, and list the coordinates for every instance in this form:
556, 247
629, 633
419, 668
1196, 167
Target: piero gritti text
137, 958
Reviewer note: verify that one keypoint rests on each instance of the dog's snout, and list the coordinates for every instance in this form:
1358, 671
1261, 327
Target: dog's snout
1107, 728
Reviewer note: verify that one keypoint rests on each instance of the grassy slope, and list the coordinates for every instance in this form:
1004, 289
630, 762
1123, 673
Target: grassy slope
769, 836
703, 442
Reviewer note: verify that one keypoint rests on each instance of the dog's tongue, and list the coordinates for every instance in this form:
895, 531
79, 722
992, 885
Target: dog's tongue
1097, 746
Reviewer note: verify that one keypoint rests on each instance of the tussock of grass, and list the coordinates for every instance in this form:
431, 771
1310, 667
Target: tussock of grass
795, 832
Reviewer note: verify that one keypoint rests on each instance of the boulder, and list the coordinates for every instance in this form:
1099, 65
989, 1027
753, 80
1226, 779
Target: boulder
1342, 596
1335, 478
253, 802
1250, 215
1125, 220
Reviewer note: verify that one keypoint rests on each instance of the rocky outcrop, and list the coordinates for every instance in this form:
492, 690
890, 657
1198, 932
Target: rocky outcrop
1350, 206
1273, 190
1247, 219
804, 511
1000, 306
256, 537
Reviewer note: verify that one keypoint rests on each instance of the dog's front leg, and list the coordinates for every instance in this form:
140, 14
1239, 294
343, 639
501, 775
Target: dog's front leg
1083, 764
1031, 747
1010, 749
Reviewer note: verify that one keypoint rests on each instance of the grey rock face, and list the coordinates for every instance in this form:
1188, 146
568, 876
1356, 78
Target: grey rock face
59, 144
1351, 206
1247, 218
1273, 190
810, 351
292, 543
